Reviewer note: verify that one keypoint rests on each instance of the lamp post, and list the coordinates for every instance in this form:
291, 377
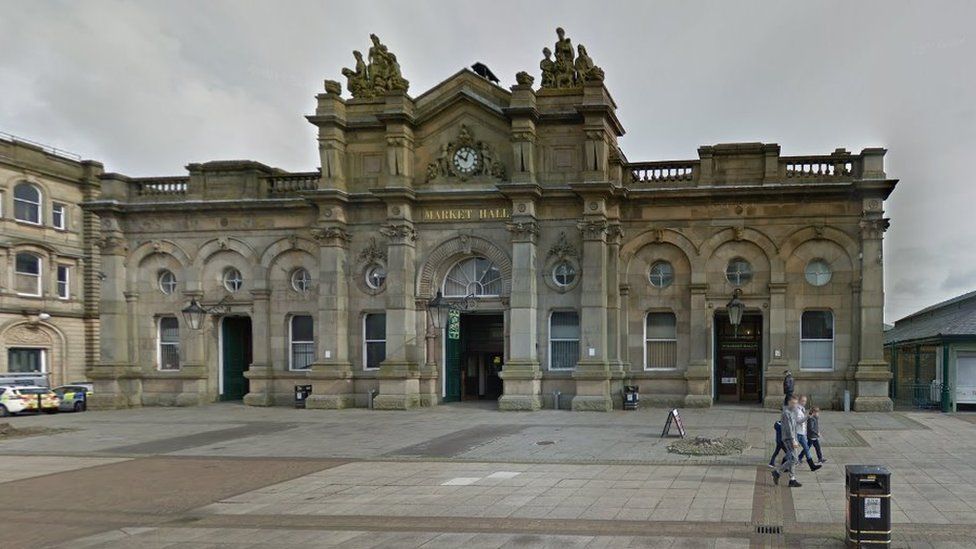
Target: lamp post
735, 308
194, 313
439, 307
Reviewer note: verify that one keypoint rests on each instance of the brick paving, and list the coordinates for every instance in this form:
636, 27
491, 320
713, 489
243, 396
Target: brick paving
226, 475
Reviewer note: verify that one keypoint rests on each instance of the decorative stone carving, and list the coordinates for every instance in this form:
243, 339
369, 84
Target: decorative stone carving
380, 76
486, 162
874, 228
332, 87
615, 233
399, 233
372, 253
333, 236
593, 228
112, 245
563, 248
27, 335
568, 70
523, 231
524, 79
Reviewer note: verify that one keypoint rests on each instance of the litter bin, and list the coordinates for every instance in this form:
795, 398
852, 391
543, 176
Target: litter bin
868, 505
301, 393
631, 397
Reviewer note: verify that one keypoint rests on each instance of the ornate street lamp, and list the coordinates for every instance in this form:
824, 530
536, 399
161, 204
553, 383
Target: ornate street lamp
735, 308
439, 307
194, 313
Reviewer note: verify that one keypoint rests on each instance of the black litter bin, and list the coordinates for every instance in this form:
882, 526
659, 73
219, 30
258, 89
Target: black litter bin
631, 397
868, 505
301, 393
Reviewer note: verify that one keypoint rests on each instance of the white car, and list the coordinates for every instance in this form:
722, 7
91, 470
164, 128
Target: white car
17, 399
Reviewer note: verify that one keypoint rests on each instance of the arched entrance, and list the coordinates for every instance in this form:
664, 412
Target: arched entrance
474, 343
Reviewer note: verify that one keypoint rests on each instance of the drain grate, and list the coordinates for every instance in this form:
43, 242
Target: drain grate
766, 529
545, 442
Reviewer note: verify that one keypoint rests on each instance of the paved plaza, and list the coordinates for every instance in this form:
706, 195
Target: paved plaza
465, 476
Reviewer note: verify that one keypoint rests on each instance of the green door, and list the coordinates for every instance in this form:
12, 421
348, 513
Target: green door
452, 364
236, 337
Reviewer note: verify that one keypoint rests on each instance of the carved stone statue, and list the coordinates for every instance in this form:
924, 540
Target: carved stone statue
523, 78
332, 87
567, 70
586, 71
548, 67
382, 74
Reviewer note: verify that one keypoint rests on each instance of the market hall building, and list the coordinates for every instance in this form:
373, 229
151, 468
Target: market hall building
563, 266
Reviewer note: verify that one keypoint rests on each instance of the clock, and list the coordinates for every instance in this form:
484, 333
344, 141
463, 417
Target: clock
466, 160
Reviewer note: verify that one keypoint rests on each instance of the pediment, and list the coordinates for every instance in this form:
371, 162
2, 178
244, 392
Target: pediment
464, 87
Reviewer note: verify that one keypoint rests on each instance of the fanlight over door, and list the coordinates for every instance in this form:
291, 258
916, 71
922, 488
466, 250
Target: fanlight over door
476, 277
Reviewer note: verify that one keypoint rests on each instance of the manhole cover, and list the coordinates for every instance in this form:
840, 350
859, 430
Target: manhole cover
545, 442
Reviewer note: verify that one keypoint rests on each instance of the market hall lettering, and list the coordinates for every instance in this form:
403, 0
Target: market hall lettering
465, 214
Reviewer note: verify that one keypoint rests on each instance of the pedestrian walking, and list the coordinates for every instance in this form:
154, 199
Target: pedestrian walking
813, 433
787, 387
790, 444
801, 431
778, 427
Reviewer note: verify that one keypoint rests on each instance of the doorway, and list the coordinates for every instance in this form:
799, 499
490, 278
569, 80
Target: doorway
738, 359
235, 337
475, 358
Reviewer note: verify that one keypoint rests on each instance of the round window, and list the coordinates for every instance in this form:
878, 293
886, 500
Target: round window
818, 272
738, 272
233, 279
563, 274
375, 276
167, 282
301, 281
661, 274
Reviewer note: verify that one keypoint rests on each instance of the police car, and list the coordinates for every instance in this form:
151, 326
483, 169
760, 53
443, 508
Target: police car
16, 399
74, 398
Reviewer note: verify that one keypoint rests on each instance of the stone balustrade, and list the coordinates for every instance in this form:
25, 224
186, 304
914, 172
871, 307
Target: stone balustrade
162, 186
293, 182
819, 167
664, 171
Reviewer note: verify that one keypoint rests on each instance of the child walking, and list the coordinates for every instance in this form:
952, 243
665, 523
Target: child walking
813, 433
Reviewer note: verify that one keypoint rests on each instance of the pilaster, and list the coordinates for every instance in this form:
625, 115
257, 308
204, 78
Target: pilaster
698, 376
873, 374
260, 374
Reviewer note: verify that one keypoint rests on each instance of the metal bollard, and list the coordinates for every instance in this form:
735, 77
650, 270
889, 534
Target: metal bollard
847, 400
372, 394
555, 400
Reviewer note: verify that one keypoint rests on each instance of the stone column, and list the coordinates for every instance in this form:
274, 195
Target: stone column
521, 375
260, 374
872, 375
776, 365
331, 373
399, 374
116, 381
698, 376
617, 373
592, 374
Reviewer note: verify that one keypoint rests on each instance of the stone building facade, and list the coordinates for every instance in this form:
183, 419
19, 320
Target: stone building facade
48, 262
580, 271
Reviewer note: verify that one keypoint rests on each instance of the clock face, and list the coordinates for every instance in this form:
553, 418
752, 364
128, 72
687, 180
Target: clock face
465, 160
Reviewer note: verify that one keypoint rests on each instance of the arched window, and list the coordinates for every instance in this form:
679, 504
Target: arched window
27, 269
27, 203
476, 276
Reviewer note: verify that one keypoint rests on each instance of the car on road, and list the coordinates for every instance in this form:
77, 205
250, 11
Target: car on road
74, 398
17, 399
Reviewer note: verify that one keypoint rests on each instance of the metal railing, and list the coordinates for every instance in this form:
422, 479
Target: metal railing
925, 396
46, 148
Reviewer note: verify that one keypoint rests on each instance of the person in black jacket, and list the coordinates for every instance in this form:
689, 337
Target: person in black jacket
787, 387
813, 433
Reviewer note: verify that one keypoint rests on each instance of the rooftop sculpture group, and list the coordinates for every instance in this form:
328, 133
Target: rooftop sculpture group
380, 76
568, 70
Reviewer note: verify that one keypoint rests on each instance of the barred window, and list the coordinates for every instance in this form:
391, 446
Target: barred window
564, 340
817, 340
302, 336
374, 340
661, 341
169, 343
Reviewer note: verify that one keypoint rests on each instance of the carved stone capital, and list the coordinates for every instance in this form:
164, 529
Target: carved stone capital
615, 233
873, 229
523, 231
331, 236
593, 229
399, 233
113, 245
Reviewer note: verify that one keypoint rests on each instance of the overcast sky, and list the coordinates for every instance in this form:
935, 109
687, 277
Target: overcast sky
148, 87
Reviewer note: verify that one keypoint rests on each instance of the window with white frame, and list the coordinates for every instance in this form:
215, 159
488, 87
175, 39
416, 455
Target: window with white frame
302, 340
169, 343
27, 272
166, 281
233, 280
64, 276
59, 216
564, 340
25, 360
374, 340
27, 203
660, 341
817, 340
475, 276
